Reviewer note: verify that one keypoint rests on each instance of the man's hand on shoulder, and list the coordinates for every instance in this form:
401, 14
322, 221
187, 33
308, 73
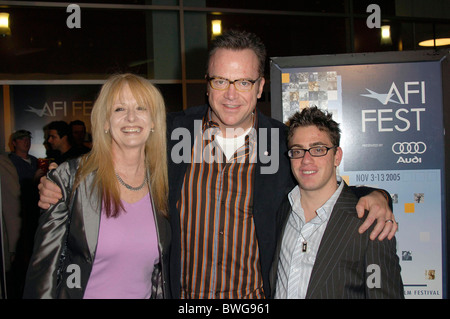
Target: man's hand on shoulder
49, 192
378, 206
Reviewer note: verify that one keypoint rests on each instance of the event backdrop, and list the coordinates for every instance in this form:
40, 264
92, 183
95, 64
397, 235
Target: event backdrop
35, 106
391, 117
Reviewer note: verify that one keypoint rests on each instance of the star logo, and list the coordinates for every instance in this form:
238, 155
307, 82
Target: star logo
38, 112
382, 98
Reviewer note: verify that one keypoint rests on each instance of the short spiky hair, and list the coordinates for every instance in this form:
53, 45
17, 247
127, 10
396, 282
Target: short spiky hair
61, 127
314, 116
237, 41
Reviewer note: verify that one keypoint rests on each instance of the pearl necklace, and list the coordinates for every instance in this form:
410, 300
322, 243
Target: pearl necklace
131, 188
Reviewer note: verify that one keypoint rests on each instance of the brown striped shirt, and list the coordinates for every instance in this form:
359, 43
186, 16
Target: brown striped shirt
219, 250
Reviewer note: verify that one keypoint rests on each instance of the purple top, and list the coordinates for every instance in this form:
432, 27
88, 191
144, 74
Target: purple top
127, 249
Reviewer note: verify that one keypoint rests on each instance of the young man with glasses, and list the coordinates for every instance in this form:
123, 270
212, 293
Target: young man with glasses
320, 253
223, 212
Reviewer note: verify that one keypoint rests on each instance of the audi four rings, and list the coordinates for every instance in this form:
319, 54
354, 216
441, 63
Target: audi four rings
409, 147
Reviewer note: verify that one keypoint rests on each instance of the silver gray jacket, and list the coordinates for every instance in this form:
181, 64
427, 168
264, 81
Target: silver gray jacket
67, 235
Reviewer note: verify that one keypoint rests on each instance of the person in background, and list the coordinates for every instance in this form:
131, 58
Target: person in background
320, 253
29, 174
12, 223
78, 136
59, 138
111, 222
25, 163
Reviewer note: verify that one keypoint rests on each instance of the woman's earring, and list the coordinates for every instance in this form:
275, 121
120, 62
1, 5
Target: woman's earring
152, 130
106, 131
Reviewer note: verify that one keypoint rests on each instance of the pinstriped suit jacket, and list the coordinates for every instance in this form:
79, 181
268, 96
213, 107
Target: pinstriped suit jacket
341, 267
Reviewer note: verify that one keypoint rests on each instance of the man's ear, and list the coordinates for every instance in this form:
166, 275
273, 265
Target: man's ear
261, 86
338, 156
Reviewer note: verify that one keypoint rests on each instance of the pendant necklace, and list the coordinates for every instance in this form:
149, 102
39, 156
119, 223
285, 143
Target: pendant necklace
131, 188
305, 241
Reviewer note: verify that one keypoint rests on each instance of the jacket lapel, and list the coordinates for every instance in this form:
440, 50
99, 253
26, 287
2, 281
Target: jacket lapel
185, 126
282, 218
341, 228
91, 212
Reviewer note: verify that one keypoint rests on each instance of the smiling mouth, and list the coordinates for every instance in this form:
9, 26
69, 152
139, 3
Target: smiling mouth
309, 172
131, 129
231, 106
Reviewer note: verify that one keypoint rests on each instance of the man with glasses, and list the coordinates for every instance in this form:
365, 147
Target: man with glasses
222, 211
320, 253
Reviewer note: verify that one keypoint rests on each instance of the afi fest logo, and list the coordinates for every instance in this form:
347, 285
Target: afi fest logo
58, 108
402, 119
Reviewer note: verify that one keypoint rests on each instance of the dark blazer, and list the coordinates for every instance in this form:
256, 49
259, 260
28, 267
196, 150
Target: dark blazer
269, 189
68, 233
340, 270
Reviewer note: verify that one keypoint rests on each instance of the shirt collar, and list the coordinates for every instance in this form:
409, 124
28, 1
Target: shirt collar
208, 122
324, 212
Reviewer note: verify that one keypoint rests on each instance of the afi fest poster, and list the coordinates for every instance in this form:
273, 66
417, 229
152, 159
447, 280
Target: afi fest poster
391, 117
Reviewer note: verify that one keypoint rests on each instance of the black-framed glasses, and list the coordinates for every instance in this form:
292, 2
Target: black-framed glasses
315, 151
221, 84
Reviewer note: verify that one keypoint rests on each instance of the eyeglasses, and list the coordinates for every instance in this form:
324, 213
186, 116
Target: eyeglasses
242, 85
316, 151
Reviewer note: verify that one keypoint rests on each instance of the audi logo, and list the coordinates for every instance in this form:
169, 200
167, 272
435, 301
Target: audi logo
409, 147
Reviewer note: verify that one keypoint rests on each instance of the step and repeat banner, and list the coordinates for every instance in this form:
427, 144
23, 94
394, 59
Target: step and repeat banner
391, 117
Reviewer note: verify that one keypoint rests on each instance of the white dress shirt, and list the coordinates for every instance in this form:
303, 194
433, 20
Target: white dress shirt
295, 264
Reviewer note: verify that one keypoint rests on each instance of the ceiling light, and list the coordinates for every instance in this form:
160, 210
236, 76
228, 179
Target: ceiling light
4, 24
385, 32
431, 43
216, 27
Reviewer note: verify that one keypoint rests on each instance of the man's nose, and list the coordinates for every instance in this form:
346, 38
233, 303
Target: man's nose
231, 92
308, 157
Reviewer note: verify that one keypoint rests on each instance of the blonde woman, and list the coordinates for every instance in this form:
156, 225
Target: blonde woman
108, 237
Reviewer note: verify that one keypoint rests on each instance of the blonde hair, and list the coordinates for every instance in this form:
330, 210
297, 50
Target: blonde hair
100, 157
